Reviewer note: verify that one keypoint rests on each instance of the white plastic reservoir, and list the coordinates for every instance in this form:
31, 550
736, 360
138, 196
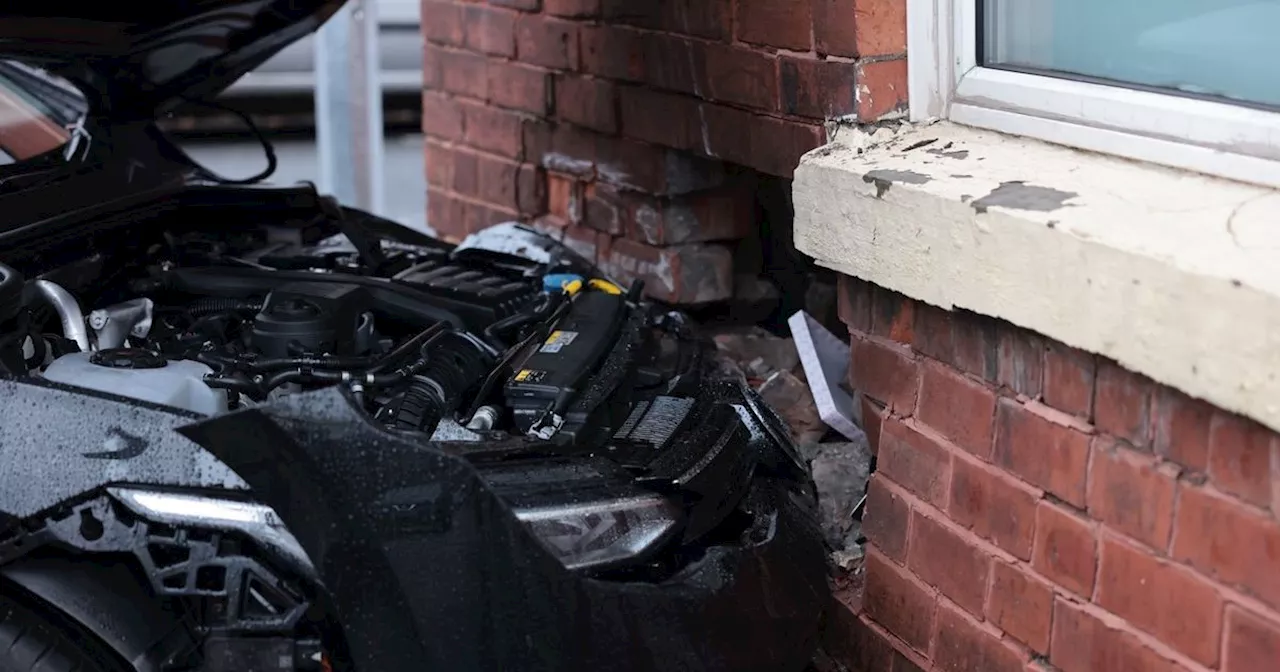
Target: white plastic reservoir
176, 383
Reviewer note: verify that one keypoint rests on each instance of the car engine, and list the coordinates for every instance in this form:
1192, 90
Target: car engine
436, 339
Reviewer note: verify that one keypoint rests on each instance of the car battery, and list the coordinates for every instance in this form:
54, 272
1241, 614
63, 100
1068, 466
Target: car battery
560, 365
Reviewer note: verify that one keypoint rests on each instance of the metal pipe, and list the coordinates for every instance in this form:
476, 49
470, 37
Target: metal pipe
68, 309
348, 95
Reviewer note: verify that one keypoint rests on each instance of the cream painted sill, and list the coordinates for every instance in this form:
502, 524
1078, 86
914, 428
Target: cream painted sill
1172, 274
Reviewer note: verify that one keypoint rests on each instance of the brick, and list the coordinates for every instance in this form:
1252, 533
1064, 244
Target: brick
882, 27
674, 63
1083, 643
898, 602
1122, 404
446, 214
951, 562
481, 216
464, 73
933, 332
1021, 605
587, 242
613, 52
588, 102
682, 274
777, 144
727, 134
548, 42
466, 174
523, 5
884, 520
817, 88
1068, 379
882, 89
1043, 452
441, 117
563, 196
490, 30
860, 27
914, 461
772, 146
576, 9
494, 130
854, 301
1166, 600
743, 76
505, 184
705, 18
519, 87
963, 645
439, 160
531, 192
959, 408
1132, 493
976, 344
873, 415
885, 373
994, 506
835, 27
852, 642
605, 210
662, 118
1252, 643
1240, 453
567, 149
1181, 428
723, 214
1228, 540
779, 23
892, 315
654, 170
1065, 551
445, 26
1020, 365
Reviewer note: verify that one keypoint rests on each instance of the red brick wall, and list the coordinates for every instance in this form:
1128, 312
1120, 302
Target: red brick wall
632, 128
1038, 508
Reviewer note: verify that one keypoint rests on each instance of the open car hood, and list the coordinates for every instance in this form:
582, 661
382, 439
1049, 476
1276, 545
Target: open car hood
134, 59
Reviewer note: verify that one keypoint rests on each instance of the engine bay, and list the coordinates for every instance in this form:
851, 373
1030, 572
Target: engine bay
501, 335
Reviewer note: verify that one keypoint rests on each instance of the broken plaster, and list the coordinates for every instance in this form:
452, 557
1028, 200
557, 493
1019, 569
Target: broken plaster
1168, 272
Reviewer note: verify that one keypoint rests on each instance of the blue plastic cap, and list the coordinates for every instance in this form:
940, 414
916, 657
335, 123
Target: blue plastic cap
558, 280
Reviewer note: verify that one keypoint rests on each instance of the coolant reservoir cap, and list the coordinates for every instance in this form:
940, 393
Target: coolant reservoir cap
128, 358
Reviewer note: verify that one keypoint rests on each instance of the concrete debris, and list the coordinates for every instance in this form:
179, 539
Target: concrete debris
757, 351
789, 396
840, 469
840, 473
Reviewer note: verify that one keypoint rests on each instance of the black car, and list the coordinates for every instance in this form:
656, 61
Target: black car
247, 428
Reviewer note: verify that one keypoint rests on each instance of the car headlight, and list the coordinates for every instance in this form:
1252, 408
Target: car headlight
597, 534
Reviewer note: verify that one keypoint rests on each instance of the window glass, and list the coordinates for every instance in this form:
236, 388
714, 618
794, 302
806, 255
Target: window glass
1220, 48
37, 112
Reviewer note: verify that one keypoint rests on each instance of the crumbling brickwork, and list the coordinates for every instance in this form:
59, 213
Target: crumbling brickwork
636, 130
1039, 508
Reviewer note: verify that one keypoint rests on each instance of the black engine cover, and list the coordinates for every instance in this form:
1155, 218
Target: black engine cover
312, 318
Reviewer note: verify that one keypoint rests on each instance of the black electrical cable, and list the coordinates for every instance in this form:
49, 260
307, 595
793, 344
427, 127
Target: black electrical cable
505, 362
366, 378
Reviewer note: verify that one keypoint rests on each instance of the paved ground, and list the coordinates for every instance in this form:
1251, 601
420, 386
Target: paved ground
406, 190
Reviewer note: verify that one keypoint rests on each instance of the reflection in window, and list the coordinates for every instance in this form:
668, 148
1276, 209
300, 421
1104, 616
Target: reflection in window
1220, 48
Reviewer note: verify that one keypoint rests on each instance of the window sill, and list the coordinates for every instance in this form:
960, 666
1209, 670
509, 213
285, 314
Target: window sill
1172, 274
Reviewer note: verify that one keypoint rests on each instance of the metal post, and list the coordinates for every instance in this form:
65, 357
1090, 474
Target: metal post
349, 107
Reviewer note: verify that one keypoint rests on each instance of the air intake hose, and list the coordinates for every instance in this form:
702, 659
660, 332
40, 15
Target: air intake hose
455, 363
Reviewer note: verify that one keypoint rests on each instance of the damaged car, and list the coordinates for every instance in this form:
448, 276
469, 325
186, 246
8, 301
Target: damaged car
246, 428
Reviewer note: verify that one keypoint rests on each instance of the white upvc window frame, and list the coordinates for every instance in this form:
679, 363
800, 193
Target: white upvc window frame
1205, 136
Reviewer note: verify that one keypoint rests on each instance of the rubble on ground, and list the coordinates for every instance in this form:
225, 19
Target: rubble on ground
841, 465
